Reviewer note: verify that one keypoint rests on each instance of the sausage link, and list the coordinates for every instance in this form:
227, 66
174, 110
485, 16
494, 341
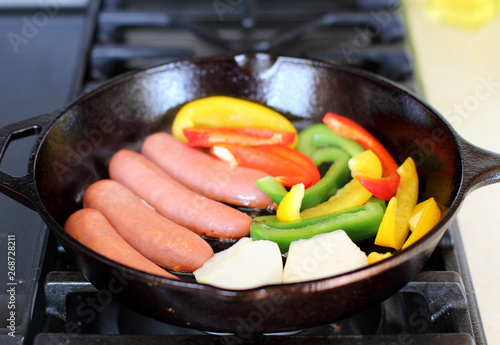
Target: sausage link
205, 174
92, 229
162, 241
176, 202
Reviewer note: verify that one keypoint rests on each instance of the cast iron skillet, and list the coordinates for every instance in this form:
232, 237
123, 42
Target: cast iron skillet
74, 146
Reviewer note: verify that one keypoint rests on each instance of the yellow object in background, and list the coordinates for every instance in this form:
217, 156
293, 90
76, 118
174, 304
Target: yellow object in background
464, 13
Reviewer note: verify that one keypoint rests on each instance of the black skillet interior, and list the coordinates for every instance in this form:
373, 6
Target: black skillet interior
76, 151
78, 147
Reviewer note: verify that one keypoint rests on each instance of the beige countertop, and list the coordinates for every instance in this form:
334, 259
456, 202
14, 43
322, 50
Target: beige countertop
460, 74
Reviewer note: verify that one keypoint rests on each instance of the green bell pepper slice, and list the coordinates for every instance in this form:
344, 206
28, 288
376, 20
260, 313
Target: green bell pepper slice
336, 176
359, 223
320, 135
272, 187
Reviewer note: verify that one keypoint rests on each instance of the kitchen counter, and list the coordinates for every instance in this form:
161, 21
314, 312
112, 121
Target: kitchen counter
460, 75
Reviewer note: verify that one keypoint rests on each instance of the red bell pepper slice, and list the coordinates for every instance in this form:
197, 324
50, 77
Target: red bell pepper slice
384, 188
297, 157
208, 136
287, 165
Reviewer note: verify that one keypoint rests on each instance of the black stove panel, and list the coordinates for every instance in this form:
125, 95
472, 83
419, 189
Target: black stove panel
41, 62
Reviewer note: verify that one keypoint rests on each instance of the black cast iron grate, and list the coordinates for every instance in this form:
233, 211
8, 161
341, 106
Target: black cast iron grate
366, 34
437, 307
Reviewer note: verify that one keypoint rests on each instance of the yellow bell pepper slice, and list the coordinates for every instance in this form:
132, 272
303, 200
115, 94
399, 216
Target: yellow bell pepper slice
289, 207
374, 257
365, 163
395, 234
426, 216
417, 213
407, 196
387, 229
224, 111
353, 193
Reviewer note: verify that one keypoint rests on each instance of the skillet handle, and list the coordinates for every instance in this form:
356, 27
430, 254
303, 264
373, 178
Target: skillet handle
23, 188
481, 167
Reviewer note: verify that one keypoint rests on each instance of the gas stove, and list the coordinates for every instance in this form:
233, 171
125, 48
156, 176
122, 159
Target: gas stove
55, 50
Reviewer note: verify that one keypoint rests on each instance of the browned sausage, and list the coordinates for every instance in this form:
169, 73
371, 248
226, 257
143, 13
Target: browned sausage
175, 201
205, 174
92, 229
167, 244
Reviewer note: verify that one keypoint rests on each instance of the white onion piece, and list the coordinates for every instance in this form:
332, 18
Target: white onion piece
322, 256
245, 265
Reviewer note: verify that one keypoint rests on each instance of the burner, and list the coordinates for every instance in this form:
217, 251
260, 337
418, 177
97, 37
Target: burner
87, 313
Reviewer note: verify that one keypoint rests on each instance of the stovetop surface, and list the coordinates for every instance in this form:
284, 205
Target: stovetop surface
40, 63
46, 64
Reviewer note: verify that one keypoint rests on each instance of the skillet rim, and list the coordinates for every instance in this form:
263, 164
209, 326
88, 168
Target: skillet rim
321, 284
